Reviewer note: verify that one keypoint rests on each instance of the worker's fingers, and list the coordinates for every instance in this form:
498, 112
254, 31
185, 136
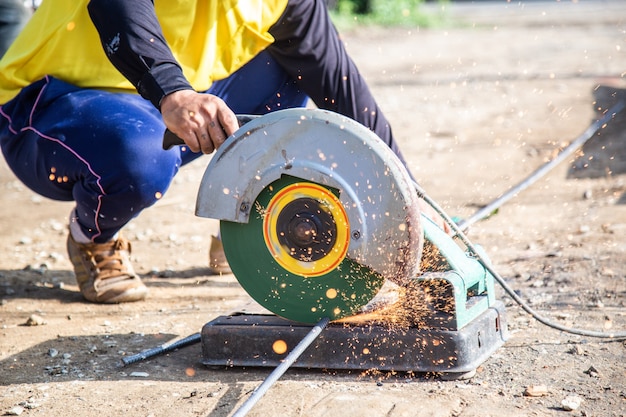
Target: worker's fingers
216, 132
202, 121
430, 212
206, 143
215, 123
229, 122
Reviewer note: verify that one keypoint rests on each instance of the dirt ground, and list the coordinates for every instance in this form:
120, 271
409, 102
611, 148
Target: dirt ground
477, 107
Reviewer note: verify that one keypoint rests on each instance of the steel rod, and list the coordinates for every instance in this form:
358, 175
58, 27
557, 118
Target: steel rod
542, 170
166, 347
282, 368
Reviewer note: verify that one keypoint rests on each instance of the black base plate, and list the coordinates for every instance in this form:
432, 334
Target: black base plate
249, 340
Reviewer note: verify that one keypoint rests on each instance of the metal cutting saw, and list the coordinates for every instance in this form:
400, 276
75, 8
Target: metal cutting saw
317, 215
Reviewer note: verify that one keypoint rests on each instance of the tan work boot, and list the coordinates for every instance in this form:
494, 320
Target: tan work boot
217, 257
104, 272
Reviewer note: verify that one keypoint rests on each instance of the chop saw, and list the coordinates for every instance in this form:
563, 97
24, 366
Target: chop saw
317, 215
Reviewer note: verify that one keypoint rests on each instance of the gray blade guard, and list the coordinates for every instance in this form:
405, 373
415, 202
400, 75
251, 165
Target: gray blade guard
332, 150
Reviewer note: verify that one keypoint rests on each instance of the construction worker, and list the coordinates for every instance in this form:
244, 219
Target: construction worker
88, 88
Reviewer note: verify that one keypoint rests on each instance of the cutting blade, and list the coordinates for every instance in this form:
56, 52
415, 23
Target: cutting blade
291, 254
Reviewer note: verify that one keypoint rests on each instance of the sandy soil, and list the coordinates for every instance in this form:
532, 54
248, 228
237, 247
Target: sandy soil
477, 108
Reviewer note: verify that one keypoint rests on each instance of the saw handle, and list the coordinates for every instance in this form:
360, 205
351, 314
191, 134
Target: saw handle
170, 139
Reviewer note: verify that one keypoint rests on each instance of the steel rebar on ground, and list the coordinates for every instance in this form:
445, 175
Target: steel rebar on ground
282, 368
545, 168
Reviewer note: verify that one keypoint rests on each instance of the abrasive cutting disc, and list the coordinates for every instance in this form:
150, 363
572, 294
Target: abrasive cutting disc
291, 254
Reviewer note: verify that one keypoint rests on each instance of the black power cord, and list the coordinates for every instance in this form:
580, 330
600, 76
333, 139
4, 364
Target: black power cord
509, 290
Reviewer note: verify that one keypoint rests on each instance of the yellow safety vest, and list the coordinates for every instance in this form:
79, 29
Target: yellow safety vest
210, 39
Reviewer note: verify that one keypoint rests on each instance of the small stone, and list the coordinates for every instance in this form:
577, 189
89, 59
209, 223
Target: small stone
56, 256
607, 228
538, 283
15, 411
35, 320
30, 404
607, 272
592, 372
38, 268
57, 226
576, 350
536, 391
140, 374
52, 352
571, 403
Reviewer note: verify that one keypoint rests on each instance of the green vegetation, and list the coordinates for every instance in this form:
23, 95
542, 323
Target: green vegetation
386, 13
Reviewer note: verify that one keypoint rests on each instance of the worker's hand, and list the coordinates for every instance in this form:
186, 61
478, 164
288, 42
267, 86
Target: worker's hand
430, 212
202, 121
